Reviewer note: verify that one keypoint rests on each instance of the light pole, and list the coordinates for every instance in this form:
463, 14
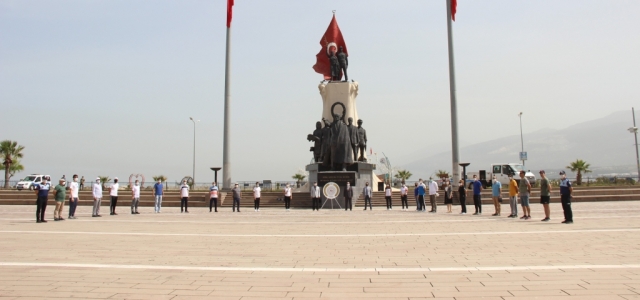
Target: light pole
193, 176
521, 139
634, 130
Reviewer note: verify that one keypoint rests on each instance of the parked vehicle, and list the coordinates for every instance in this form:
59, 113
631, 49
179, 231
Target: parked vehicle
29, 181
502, 171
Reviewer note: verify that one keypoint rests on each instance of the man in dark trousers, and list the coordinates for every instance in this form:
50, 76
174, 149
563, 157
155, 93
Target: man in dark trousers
565, 197
343, 60
237, 194
366, 191
348, 195
315, 197
42, 191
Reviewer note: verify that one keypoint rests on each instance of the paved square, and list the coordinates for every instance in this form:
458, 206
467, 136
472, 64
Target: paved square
329, 254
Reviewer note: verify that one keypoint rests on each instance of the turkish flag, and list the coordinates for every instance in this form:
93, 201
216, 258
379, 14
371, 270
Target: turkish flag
454, 7
331, 40
229, 12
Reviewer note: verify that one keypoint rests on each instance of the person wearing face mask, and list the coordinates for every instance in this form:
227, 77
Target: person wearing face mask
433, 194
256, 197
348, 195
565, 197
158, 192
422, 190
387, 197
97, 198
73, 196
113, 192
213, 197
287, 197
315, 197
477, 198
462, 196
545, 195
448, 196
496, 192
366, 191
513, 196
184, 197
42, 192
403, 197
524, 189
135, 198
237, 195
59, 192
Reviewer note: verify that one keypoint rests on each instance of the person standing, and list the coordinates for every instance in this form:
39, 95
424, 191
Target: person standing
348, 196
545, 195
403, 197
366, 191
73, 196
256, 197
184, 197
565, 197
387, 197
287, 197
82, 183
42, 192
433, 193
513, 197
135, 197
59, 194
448, 196
462, 195
477, 197
97, 198
158, 192
415, 194
496, 193
237, 194
315, 197
113, 192
213, 196
524, 189
422, 191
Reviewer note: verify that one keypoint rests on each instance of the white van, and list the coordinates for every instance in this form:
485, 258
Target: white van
29, 181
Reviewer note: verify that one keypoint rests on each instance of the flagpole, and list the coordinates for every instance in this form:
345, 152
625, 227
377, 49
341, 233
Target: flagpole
455, 153
226, 157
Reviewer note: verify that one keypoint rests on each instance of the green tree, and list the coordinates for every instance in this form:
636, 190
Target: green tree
442, 174
103, 180
403, 175
579, 167
16, 167
299, 177
10, 151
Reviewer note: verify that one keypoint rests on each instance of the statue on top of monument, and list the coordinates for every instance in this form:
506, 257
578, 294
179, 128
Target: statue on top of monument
353, 136
328, 59
316, 137
362, 141
343, 59
340, 144
335, 65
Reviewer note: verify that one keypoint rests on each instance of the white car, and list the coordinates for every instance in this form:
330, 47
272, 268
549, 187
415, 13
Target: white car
29, 181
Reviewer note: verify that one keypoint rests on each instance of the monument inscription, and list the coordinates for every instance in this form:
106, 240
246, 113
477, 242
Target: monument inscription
341, 178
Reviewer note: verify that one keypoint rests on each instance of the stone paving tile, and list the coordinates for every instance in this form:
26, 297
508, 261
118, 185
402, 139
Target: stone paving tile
410, 256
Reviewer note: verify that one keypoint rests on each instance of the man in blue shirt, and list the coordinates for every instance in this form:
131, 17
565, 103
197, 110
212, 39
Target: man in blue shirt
158, 191
42, 191
477, 200
422, 190
565, 197
496, 193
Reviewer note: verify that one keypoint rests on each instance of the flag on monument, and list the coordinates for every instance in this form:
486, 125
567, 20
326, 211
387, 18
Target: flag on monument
332, 39
454, 7
229, 12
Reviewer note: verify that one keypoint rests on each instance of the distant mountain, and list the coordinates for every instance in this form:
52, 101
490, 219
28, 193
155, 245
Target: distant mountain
604, 143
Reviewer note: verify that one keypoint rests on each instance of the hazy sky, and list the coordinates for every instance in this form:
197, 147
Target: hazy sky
107, 87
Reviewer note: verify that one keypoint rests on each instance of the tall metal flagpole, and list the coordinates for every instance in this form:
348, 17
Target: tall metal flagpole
455, 153
226, 157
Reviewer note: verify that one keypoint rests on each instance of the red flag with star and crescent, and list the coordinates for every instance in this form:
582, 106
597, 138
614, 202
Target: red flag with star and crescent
332, 39
229, 12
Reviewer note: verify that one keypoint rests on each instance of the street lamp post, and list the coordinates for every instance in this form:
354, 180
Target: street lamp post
634, 130
521, 139
193, 176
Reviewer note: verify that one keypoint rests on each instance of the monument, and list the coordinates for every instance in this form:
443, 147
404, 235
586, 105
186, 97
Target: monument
339, 150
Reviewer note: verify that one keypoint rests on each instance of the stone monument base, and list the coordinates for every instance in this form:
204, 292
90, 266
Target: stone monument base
357, 174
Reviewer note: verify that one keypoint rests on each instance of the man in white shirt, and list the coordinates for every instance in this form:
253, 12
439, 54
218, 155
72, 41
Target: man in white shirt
135, 198
287, 197
113, 192
73, 197
97, 198
433, 191
256, 197
315, 197
184, 197
403, 197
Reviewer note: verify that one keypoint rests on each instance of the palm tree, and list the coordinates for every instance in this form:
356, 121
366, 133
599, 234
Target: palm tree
299, 178
16, 167
442, 174
103, 180
10, 151
403, 175
580, 166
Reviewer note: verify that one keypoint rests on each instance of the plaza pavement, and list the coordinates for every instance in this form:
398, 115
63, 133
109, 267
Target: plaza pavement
303, 254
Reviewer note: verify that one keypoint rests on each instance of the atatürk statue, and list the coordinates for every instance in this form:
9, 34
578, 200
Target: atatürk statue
335, 66
316, 137
362, 141
340, 144
353, 135
325, 151
343, 60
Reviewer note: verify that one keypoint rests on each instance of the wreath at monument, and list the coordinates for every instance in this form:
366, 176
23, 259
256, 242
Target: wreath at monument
344, 110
